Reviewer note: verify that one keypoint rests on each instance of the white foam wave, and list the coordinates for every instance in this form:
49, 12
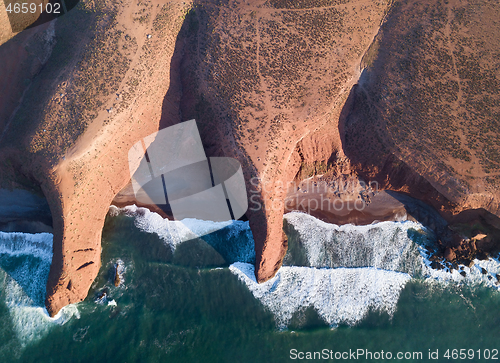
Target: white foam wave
30, 320
16, 244
354, 269
384, 245
174, 233
340, 296
25, 260
482, 273
393, 246
366, 266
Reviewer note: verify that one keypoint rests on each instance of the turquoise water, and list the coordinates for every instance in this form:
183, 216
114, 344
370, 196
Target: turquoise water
180, 307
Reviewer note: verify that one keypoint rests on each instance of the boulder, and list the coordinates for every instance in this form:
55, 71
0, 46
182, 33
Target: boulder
119, 269
479, 236
449, 254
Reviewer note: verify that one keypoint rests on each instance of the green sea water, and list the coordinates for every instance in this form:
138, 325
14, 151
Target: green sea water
188, 307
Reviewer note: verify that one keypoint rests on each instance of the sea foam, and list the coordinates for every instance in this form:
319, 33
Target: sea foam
172, 232
349, 270
391, 246
24, 267
17, 244
340, 296
474, 275
344, 271
384, 245
232, 239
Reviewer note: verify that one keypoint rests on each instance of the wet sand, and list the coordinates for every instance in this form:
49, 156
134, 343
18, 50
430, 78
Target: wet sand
345, 209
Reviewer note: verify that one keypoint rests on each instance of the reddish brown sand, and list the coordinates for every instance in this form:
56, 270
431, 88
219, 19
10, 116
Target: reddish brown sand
341, 210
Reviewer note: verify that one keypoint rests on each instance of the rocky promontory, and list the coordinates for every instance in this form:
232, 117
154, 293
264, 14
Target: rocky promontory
385, 92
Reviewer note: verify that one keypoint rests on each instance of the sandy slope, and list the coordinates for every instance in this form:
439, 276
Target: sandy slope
431, 100
81, 172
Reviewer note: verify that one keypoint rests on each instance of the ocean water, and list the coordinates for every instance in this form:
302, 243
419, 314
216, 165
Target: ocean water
196, 300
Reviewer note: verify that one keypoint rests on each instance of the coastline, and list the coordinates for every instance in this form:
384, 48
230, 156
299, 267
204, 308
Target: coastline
126, 197
347, 210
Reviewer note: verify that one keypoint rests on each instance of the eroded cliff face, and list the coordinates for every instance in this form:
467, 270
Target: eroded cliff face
424, 118
425, 114
262, 78
276, 84
102, 89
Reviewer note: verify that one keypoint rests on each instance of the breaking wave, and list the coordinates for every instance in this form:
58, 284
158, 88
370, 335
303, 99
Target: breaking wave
232, 239
385, 245
347, 271
24, 268
340, 296
343, 272
18, 244
391, 246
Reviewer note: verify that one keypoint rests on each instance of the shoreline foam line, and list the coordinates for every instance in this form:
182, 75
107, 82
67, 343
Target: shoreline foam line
235, 241
25, 261
393, 246
18, 243
340, 296
349, 269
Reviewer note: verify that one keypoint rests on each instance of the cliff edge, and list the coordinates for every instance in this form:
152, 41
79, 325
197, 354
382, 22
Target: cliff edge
390, 92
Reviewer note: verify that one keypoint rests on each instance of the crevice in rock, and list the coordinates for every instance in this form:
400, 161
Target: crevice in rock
84, 250
85, 265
